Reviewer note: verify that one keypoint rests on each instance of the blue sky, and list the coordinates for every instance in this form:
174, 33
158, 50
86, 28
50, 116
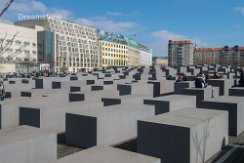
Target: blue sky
209, 23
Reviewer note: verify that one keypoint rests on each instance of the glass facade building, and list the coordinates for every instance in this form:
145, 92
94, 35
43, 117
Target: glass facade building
45, 47
75, 47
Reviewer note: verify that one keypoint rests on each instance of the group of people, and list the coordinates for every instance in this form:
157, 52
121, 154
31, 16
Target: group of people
201, 80
181, 77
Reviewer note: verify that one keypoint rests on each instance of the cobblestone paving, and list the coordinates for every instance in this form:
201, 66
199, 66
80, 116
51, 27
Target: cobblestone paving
65, 150
236, 157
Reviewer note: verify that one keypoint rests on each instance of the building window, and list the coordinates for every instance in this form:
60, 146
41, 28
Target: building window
26, 43
17, 42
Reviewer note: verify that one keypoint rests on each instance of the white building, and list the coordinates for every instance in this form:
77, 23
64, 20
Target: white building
73, 47
145, 56
18, 45
138, 54
160, 61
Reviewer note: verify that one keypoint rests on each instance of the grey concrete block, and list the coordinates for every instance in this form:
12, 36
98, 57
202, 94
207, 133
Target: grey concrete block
166, 104
179, 86
234, 105
74, 89
11, 82
103, 154
56, 85
29, 116
202, 93
230, 75
124, 89
111, 101
155, 90
89, 82
193, 70
39, 84
223, 84
95, 97
212, 68
8, 95
76, 97
73, 78
237, 91
9, 109
107, 75
107, 82
52, 94
50, 115
129, 99
14, 90
190, 77
96, 88
181, 69
167, 86
222, 69
25, 144
25, 81
185, 136
25, 94
104, 126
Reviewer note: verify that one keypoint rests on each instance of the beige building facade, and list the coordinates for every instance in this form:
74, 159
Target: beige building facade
222, 56
18, 45
180, 53
133, 57
113, 54
160, 61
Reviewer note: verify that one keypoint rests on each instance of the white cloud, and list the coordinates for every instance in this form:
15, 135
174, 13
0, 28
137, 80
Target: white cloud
64, 14
38, 6
33, 8
109, 13
240, 9
107, 25
86, 22
28, 6
164, 34
162, 37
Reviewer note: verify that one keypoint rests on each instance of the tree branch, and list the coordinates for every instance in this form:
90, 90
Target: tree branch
6, 7
8, 44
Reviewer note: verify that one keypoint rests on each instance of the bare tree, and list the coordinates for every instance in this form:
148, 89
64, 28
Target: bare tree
5, 47
9, 43
7, 5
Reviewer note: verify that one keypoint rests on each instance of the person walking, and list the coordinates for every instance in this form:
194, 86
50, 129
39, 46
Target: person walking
2, 91
241, 80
